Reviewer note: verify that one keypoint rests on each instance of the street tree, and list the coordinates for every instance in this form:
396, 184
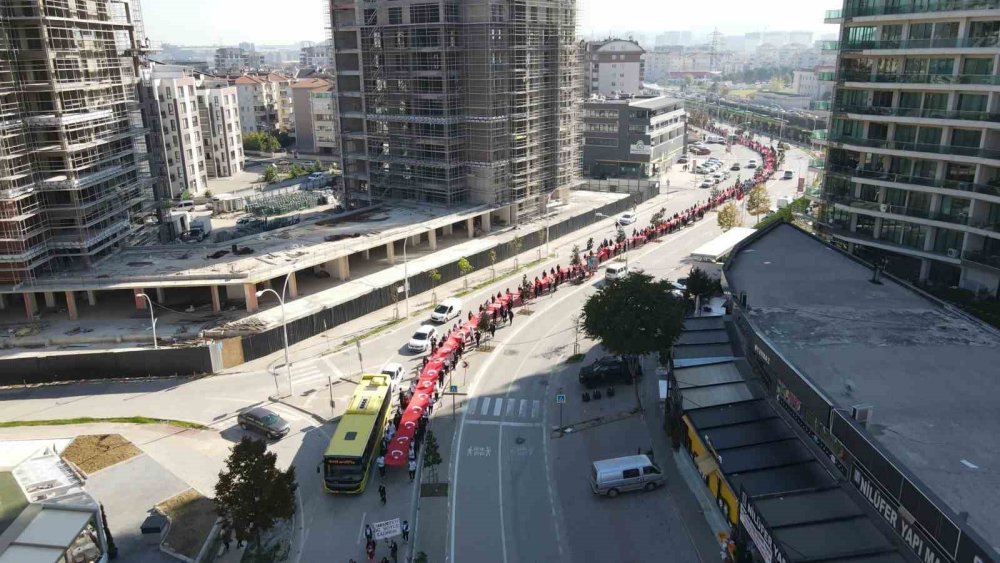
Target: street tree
516, 246
270, 173
758, 201
729, 216
432, 456
464, 269
635, 316
493, 263
657, 217
620, 235
435, 277
700, 284
574, 257
252, 494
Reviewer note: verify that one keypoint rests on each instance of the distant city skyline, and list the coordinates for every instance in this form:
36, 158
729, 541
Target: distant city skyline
196, 22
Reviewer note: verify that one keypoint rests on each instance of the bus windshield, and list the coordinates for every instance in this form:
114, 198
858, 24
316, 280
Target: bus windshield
343, 471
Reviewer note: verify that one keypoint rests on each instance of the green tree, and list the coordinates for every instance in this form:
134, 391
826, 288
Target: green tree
261, 142
186, 194
295, 170
316, 166
574, 258
493, 263
435, 277
620, 235
700, 284
516, 246
270, 173
252, 494
729, 216
432, 456
657, 217
632, 317
758, 201
464, 269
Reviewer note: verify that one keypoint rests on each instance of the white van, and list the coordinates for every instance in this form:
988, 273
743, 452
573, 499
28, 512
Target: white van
447, 310
615, 272
185, 204
630, 473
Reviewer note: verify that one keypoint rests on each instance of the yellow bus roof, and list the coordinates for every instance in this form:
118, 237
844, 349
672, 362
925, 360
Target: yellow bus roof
351, 435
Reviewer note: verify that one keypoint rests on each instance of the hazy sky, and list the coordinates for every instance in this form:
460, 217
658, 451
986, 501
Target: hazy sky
210, 22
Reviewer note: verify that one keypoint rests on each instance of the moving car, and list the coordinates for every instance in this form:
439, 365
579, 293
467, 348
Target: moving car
395, 371
447, 310
706, 184
615, 272
627, 218
421, 340
263, 421
630, 473
607, 370
788, 175
751, 163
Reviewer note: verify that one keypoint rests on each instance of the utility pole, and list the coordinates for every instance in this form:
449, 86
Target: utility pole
361, 362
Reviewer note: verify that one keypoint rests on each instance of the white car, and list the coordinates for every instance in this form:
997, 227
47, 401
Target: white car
615, 272
421, 340
395, 372
717, 177
627, 218
447, 310
751, 163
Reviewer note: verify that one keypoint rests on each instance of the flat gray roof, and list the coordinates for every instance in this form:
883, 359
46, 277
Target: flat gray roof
931, 373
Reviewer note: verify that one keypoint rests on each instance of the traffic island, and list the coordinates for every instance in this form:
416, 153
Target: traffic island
191, 517
91, 453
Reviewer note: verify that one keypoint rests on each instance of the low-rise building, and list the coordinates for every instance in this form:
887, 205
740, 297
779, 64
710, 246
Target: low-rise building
265, 102
806, 82
632, 137
315, 55
237, 59
307, 108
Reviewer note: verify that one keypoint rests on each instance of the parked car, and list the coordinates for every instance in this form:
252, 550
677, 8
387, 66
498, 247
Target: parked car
751, 163
706, 184
682, 160
447, 310
605, 371
788, 175
717, 178
421, 339
627, 218
735, 167
263, 421
612, 476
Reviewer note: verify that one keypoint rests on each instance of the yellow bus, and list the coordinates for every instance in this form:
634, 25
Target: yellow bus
358, 436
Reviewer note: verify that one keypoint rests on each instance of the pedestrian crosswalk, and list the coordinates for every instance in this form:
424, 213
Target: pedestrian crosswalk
503, 408
315, 371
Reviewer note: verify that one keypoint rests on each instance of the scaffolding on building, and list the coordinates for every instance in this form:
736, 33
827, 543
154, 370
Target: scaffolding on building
74, 172
470, 102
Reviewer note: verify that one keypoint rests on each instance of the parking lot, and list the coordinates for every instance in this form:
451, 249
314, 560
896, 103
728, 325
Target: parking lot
730, 163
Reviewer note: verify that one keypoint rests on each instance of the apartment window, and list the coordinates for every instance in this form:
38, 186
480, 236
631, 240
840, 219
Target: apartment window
948, 239
905, 133
924, 168
972, 102
966, 138
395, 16
941, 66
424, 13
929, 136
978, 66
915, 66
938, 102
920, 31
865, 226
371, 17
909, 99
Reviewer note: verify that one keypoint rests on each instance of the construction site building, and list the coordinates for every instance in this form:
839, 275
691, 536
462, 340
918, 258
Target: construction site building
458, 102
74, 173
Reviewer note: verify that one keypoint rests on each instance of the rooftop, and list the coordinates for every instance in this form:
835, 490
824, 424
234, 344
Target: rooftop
929, 371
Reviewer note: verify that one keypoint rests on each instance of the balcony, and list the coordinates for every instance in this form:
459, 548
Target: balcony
864, 76
979, 257
820, 134
843, 231
936, 43
826, 76
830, 45
885, 8
917, 147
850, 172
917, 112
833, 16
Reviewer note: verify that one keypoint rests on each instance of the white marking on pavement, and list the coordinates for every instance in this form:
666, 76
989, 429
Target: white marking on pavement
472, 405
486, 406
505, 423
524, 408
498, 407
536, 405
511, 407
361, 530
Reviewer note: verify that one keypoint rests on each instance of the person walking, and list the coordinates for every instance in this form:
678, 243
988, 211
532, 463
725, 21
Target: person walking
493, 330
370, 551
478, 337
369, 534
380, 463
406, 531
412, 469
227, 536
381, 493
394, 551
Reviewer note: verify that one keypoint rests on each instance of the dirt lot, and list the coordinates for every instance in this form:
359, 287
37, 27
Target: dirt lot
96, 451
191, 519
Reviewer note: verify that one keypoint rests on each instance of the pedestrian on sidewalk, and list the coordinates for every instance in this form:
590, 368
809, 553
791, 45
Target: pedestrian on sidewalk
478, 337
493, 330
412, 454
406, 531
227, 536
394, 551
381, 493
380, 463
412, 469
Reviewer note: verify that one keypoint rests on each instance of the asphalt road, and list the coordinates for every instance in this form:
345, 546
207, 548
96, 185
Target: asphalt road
518, 494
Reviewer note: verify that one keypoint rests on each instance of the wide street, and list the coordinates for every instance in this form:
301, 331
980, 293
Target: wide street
517, 493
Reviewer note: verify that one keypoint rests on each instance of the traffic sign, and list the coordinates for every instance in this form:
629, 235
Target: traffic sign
453, 389
465, 364
560, 398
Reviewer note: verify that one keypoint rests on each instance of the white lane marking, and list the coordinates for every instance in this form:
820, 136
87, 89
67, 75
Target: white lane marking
511, 407
486, 406
524, 408
504, 423
472, 405
361, 530
536, 406
498, 407
286, 413
328, 362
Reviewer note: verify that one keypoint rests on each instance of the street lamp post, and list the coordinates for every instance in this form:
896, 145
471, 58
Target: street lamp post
152, 318
284, 325
548, 198
406, 277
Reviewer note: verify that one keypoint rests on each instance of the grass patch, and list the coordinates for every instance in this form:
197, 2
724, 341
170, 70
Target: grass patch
575, 358
12, 500
89, 420
96, 451
191, 519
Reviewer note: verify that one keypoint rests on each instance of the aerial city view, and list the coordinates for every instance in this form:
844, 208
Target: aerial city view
499, 281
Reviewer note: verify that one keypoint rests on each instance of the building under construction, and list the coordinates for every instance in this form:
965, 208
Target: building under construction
459, 102
74, 175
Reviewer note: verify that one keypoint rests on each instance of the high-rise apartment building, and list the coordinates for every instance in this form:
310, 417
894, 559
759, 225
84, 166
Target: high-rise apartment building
195, 129
614, 66
913, 168
453, 102
74, 177
238, 59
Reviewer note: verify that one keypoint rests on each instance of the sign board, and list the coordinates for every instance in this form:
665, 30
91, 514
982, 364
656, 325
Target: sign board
639, 147
453, 389
758, 532
560, 398
465, 364
386, 529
